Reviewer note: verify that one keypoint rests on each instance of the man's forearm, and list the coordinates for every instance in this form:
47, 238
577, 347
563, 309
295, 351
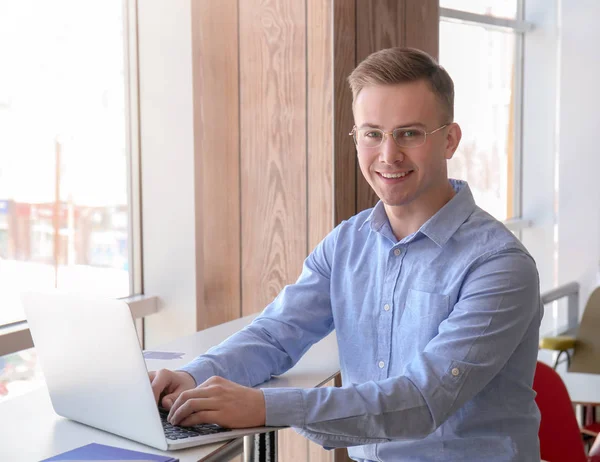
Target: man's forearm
368, 413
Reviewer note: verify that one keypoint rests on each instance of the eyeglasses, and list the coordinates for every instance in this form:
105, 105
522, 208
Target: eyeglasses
409, 137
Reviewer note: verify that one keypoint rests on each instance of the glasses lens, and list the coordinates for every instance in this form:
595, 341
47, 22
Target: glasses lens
409, 137
369, 137
405, 137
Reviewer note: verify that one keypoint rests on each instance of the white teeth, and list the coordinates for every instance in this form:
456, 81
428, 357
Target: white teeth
394, 175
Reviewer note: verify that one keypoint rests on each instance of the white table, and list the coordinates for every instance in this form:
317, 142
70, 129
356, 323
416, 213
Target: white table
583, 388
31, 431
584, 391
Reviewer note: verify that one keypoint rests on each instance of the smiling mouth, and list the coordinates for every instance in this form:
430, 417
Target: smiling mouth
394, 176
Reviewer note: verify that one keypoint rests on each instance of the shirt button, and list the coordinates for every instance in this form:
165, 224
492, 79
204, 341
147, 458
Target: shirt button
386, 307
381, 364
397, 252
455, 372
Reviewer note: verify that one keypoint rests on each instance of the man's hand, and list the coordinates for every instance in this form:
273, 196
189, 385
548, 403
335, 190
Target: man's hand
221, 402
170, 385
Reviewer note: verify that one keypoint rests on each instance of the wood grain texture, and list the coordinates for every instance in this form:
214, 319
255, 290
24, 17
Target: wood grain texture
320, 136
292, 446
379, 25
316, 453
422, 25
344, 60
273, 159
319, 122
341, 455
273, 148
216, 145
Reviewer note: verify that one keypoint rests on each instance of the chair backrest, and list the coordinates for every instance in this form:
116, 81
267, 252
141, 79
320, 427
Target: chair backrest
560, 440
587, 349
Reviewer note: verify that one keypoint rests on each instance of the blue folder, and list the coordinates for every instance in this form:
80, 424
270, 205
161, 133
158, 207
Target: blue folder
102, 453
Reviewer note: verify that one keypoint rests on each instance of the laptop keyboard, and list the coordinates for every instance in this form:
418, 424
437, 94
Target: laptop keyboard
174, 432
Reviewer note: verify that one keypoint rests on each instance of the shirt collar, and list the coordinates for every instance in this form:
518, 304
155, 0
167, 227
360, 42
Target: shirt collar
377, 218
441, 226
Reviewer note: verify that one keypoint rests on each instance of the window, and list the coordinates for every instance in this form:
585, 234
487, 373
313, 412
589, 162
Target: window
66, 155
19, 373
483, 56
497, 8
505, 57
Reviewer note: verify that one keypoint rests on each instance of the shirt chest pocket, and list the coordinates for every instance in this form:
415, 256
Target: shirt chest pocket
423, 313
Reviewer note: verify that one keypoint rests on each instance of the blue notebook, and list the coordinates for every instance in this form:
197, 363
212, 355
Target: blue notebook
103, 453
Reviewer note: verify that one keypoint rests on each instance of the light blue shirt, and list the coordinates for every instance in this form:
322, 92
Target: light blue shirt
437, 333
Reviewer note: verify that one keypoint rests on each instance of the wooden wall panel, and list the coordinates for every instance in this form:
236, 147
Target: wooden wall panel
319, 26
344, 60
316, 453
216, 144
379, 24
292, 447
273, 153
273, 147
421, 25
319, 122
345, 167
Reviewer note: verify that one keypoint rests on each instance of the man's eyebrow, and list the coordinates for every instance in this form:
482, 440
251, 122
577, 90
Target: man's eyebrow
411, 124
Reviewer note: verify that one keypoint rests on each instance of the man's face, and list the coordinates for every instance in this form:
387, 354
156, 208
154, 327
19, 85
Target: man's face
388, 107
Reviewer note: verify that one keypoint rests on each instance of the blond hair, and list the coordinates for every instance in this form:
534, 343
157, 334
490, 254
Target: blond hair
402, 65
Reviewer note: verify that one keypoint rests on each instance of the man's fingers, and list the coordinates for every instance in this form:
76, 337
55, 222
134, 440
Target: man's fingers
159, 383
221, 402
200, 418
184, 397
190, 407
168, 400
152, 374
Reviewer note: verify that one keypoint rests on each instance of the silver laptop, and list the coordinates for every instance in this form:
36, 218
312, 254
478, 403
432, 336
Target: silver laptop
95, 371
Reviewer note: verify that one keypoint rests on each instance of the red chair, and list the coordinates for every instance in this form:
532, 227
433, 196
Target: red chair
560, 440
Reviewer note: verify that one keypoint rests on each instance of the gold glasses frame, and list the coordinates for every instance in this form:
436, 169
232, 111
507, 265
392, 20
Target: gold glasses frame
384, 134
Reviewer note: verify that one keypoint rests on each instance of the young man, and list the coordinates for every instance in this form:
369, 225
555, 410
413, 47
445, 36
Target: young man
435, 304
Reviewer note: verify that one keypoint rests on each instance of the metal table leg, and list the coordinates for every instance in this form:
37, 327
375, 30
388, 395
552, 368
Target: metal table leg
261, 447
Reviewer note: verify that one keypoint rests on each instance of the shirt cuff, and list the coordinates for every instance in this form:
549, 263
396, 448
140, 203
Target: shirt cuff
200, 371
284, 407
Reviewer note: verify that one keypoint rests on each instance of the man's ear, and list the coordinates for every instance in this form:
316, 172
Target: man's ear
453, 139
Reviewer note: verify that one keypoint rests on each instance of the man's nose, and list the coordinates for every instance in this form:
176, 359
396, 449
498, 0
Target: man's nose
390, 152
